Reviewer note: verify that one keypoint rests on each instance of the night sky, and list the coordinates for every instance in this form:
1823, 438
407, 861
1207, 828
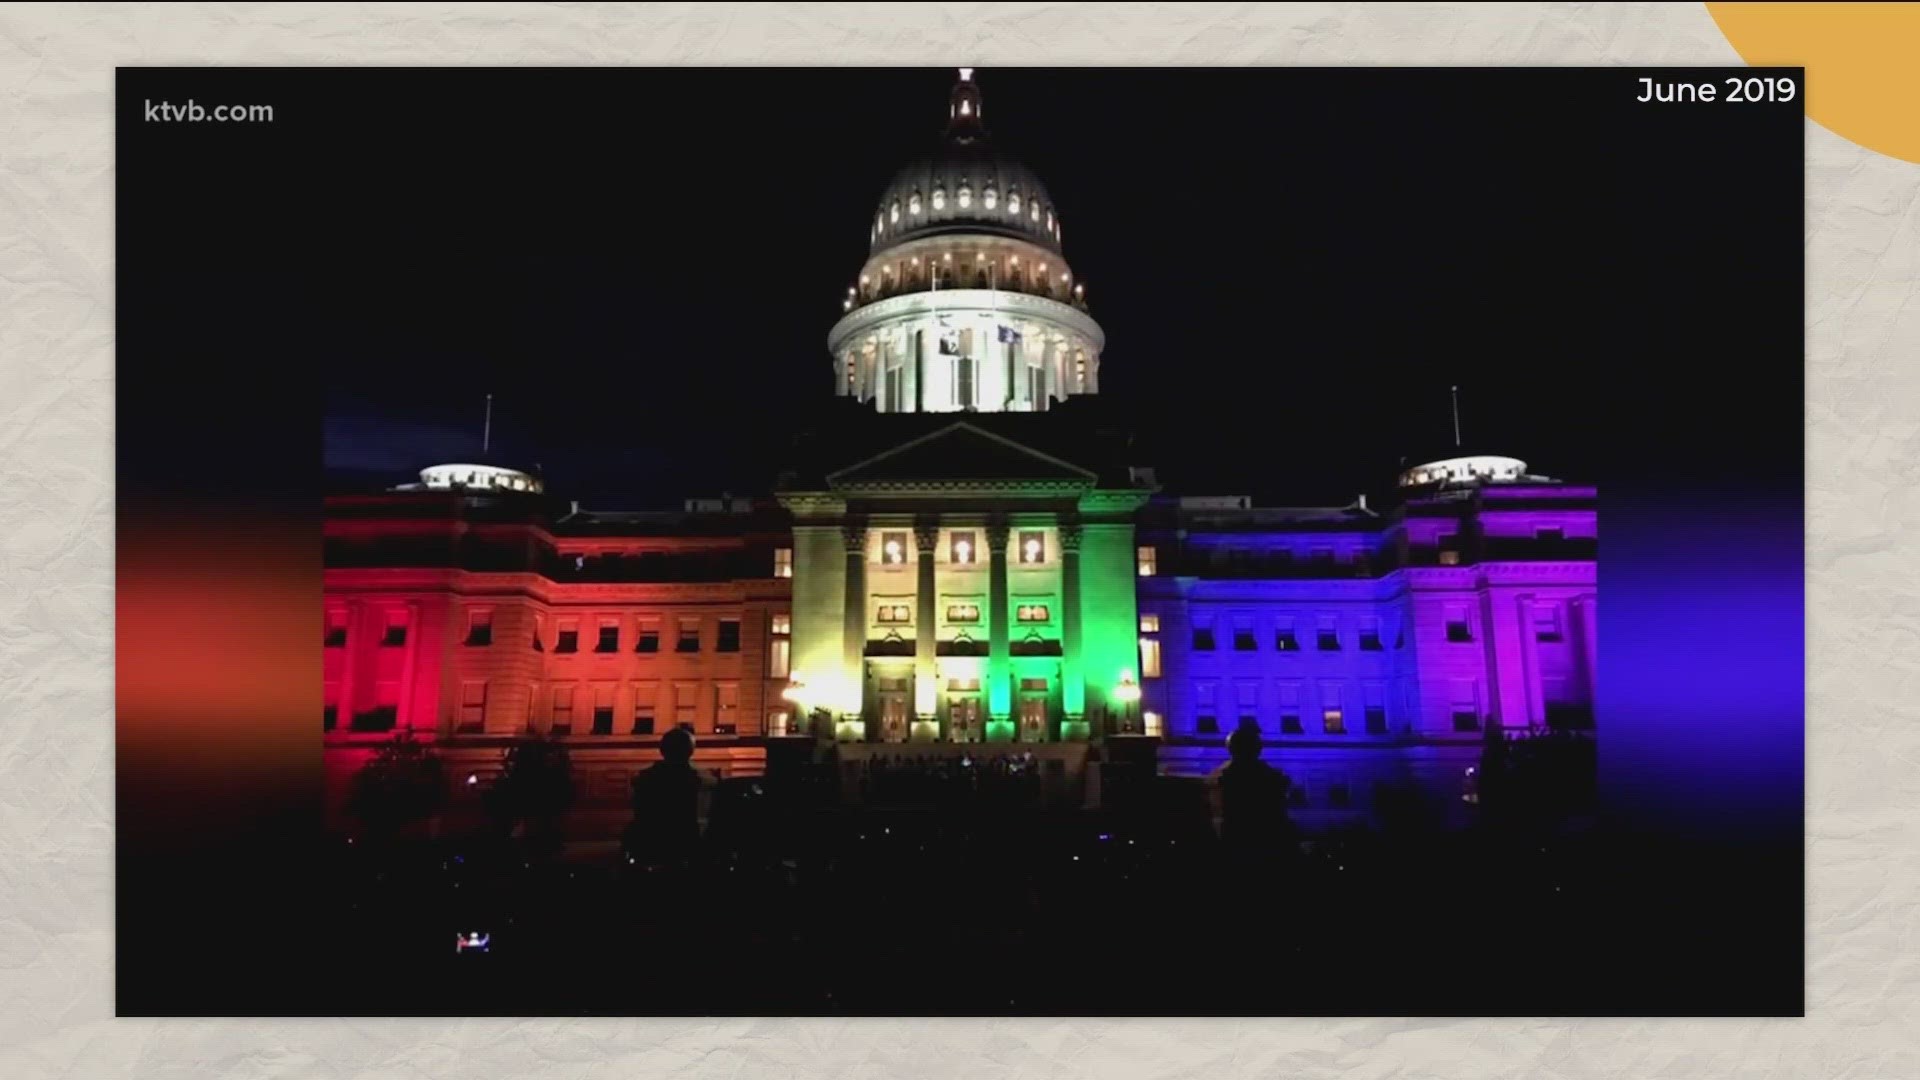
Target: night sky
1292, 266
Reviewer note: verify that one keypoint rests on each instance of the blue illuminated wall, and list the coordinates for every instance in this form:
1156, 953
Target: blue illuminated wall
1374, 649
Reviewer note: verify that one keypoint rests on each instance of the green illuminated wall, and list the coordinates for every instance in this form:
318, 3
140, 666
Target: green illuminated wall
1109, 622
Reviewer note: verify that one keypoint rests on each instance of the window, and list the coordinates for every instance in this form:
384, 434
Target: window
1546, 622
1033, 547
963, 379
648, 639
1013, 202
644, 695
780, 646
1205, 720
480, 627
1290, 709
1203, 633
396, 634
1243, 634
1151, 724
1370, 634
603, 709
473, 706
1549, 534
1328, 638
1449, 558
939, 198
562, 720
569, 639
893, 548
1458, 627
1031, 613
609, 640
689, 640
729, 640
1149, 657
990, 197
965, 194
1148, 561
1284, 638
686, 697
783, 562
895, 613
336, 630
1149, 623
1465, 707
961, 549
1333, 719
726, 708
963, 613
1249, 691
778, 721
1376, 706
329, 717
913, 203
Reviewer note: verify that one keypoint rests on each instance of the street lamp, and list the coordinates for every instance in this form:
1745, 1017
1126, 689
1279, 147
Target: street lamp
795, 692
1127, 692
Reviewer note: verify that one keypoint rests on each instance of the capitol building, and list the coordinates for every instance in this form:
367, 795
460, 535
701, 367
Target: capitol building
962, 555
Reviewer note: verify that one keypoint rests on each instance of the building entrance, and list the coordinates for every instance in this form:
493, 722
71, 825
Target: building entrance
895, 703
1033, 710
965, 718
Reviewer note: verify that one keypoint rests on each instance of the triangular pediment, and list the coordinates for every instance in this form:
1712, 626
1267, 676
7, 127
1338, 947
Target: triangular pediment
961, 453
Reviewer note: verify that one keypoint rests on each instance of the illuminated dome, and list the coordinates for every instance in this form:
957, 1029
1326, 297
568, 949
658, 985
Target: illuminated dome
965, 185
966, 302
1465, 469
477, 477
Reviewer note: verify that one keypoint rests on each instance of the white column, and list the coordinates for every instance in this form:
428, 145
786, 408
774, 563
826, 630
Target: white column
1589, 647
403, 718
1530, 664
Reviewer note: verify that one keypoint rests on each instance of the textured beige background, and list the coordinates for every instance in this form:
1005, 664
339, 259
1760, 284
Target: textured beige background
56, 489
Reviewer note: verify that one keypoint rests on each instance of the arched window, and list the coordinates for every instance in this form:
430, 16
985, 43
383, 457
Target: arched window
1013, 202
893, 212
966, 196
913, 203
1036, 212
939, 198
989, 198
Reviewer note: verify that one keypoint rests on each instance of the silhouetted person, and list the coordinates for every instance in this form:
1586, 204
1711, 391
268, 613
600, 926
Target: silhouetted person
1253, 799
666, 805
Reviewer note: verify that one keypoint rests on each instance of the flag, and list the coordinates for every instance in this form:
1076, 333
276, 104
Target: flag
1008, 335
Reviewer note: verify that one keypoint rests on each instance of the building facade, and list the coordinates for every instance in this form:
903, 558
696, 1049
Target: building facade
962, 553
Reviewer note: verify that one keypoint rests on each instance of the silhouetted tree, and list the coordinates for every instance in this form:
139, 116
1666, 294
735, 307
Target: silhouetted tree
534, 788
404, 783
1536, 780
